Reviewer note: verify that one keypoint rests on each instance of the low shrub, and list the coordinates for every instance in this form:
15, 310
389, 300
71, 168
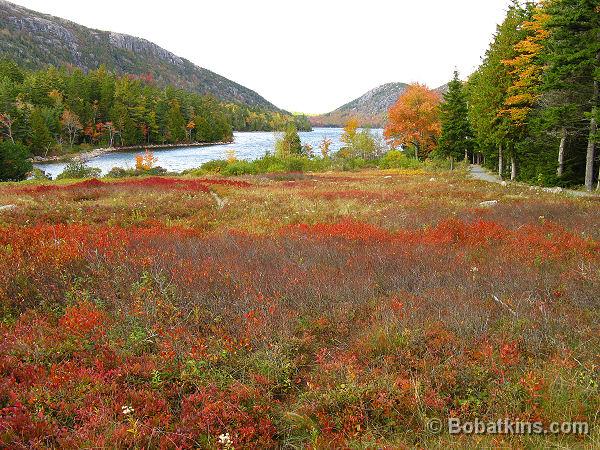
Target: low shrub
238, 168
119, 172
39, 174
395, 159
77, 169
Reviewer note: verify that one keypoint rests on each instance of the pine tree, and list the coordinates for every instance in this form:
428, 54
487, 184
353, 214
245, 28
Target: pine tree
456, 138
175, 122
41, 138
488, 89
573, 65
14, 161
290, 143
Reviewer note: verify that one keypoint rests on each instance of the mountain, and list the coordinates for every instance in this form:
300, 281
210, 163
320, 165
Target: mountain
37, 40
370, 108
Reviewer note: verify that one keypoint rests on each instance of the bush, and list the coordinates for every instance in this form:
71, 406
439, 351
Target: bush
349, 164
14, 161
39, 174
395, 159
119, 172
267, 164
214, 166
238, 168
78, 169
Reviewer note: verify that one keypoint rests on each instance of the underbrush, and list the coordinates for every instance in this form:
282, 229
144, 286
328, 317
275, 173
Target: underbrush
275, 164
293, 311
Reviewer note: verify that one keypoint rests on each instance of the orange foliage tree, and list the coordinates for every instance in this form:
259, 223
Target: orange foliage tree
145, 161
415, 119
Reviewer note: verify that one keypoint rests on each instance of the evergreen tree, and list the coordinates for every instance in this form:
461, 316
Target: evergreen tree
488, 90
41, 138
175, 122
14, 161
573, 66
456, 139
290, 143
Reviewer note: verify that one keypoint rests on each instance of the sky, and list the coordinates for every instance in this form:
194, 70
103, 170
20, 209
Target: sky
306, 56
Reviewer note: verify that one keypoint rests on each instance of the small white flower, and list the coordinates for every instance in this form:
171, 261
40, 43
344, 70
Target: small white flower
224, 438
225, 441
127, 410
474, 269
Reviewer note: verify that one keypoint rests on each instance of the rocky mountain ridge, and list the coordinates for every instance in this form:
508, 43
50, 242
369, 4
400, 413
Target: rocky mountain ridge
36, 40
370, 108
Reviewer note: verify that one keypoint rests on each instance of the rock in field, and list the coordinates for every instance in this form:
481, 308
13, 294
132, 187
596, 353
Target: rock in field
554, 190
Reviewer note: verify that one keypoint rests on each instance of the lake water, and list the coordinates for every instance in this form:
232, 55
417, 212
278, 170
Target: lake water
247, 145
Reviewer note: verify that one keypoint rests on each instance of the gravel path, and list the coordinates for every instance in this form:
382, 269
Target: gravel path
479, 173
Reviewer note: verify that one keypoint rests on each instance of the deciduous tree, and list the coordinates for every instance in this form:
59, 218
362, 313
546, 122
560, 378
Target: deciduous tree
414, 120
71, 125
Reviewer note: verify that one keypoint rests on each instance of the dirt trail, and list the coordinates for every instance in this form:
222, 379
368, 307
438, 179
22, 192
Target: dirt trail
479, 173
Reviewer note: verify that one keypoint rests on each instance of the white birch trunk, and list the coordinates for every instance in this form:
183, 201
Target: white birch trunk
513, 168
561, 153
500, 162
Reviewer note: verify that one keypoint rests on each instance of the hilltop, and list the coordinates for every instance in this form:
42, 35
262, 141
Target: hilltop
38, 40
370, 108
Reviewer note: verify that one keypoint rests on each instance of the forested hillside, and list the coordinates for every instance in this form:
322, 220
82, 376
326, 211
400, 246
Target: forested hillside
37, 40
533, 102
52, 111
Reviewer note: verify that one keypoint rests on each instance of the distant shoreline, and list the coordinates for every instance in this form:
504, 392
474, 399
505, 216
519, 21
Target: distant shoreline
84, 156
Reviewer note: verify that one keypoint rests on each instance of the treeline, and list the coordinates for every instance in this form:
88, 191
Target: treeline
245, 118
53, 111
533, 102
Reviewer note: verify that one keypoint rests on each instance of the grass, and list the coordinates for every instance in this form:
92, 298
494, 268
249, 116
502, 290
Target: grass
336, 309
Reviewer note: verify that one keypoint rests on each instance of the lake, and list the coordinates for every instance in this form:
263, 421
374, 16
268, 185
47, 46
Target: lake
247, 145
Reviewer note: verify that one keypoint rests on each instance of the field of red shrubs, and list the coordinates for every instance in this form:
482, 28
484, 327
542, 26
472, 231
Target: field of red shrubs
347, 312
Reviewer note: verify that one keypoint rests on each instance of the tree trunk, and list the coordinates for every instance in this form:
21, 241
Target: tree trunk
589, 159
513, 168
452, 163
466, 155
500, 162
591, 148
561, 152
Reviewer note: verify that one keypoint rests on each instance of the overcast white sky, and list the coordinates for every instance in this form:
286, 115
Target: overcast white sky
307, 56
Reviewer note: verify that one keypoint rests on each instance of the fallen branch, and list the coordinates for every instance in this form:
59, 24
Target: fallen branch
512, 311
